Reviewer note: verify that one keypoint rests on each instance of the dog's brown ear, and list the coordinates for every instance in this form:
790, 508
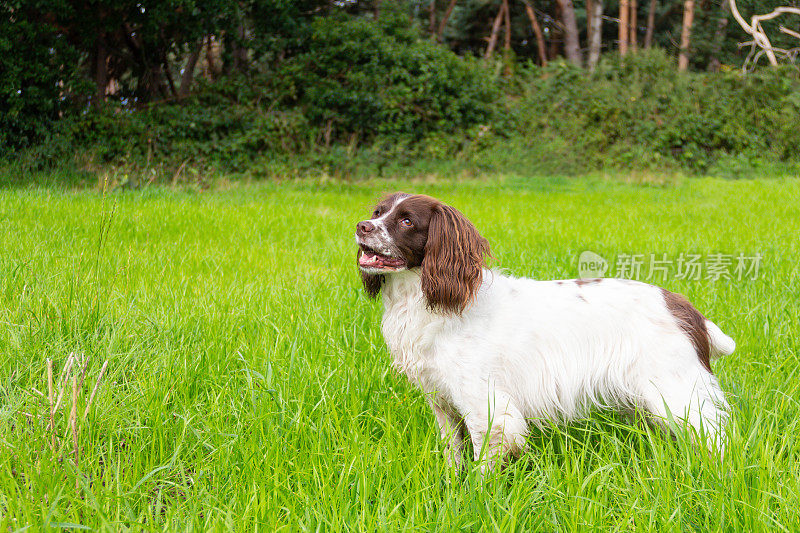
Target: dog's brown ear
452, 269
372, 282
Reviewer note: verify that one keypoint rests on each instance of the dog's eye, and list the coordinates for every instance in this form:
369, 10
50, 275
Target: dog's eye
376, 213
406, 222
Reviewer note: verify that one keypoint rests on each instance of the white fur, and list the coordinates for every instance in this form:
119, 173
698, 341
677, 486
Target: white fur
380, 222
527, 351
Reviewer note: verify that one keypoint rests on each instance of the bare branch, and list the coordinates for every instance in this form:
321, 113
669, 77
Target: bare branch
495, 30
787, 31
445, 18
760, 37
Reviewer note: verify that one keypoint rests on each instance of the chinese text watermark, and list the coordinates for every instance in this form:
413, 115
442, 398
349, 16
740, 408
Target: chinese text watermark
661, 266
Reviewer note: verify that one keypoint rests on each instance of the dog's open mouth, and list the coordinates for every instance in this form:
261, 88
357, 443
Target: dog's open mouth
369, 258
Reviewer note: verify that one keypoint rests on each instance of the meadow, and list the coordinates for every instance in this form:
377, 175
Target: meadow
247, 385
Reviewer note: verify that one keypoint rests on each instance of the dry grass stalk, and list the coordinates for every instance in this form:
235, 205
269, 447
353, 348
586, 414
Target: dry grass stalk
83, 372
50, 402
72, 369
73, 418
73, 415
94, 390
63, 380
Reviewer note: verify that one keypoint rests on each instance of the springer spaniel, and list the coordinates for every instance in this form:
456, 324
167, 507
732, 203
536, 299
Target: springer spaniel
495, 353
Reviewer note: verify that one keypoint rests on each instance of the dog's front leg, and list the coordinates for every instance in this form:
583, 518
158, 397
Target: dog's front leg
497, 430
451, 429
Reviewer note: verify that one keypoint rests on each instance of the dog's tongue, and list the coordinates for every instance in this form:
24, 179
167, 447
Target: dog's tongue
370, 259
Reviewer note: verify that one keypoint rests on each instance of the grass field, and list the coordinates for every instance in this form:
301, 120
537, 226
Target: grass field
248, 383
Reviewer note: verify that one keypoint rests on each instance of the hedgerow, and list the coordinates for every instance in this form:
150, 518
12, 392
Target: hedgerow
360, 93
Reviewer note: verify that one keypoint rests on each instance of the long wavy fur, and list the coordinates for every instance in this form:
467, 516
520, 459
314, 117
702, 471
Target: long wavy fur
452, 269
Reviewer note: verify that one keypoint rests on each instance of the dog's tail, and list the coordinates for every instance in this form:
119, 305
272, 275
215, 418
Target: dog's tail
721, 344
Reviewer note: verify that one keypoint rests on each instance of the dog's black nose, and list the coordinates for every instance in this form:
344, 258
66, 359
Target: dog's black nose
364, 227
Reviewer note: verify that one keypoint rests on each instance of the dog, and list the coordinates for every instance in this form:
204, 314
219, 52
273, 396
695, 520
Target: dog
496, 354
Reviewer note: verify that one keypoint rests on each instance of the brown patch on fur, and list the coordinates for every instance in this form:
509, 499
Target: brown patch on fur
582, 282
452, 267
692, 322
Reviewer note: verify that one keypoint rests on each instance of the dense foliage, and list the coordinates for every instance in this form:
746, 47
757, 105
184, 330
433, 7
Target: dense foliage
640, 112
35, 80
231, 84
364, 79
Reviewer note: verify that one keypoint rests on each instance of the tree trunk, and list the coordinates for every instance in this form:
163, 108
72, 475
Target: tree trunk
432, 19
554, 44
589, 11
167, 74
719, 36
239, 50
633, 23
445, 18
507, 17
572, 47
624, 11
686, 35
101, 69
595, 21
153, 82
213, 63
507, 43
651, 22
537, 31
495, 30
187, 77
376, 9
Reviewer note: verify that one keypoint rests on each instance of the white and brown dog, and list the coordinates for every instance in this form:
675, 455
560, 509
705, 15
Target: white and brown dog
496, 353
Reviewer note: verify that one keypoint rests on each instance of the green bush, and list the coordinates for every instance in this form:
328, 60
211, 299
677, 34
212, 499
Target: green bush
208, 128
35, 90
357, 78
355, 83
642, 101
375, 97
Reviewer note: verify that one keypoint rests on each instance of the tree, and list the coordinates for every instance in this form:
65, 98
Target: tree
495, 31
760, 38
572, 47
686, 34
651, 22
624, 11
445, 18
595, 23
719, 36
537, 31
432, 19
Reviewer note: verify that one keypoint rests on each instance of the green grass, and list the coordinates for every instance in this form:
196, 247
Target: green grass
248, 382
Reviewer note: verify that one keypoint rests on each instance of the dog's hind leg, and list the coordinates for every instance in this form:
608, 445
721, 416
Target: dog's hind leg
692, 397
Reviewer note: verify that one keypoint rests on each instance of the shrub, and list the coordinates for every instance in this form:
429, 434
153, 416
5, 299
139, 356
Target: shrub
641, 100
378, 80
208, 128
362, 94
35, 90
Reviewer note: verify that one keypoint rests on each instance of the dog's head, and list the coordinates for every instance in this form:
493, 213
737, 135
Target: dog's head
415, 231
